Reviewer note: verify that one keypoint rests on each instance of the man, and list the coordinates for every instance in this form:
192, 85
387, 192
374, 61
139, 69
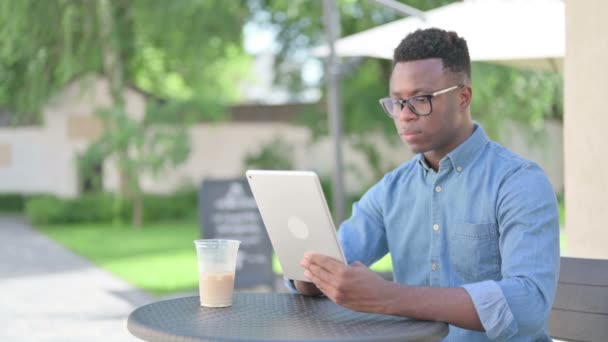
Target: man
472, 228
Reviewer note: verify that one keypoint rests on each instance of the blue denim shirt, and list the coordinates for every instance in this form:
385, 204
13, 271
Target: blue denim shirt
487, 221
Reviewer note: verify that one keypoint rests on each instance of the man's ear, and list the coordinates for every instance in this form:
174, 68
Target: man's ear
466, 94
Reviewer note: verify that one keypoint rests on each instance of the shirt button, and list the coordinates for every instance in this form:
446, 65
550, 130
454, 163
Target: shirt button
434, 267
436, 227
438, 189
459, 169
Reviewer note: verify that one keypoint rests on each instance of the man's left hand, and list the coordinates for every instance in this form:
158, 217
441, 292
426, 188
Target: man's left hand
353, 286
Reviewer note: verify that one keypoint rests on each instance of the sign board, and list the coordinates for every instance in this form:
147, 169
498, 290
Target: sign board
228, 211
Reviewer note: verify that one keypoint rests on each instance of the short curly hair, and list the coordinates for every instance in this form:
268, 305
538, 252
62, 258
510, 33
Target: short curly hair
435, 43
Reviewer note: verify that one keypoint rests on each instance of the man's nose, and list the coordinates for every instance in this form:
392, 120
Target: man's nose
406, 114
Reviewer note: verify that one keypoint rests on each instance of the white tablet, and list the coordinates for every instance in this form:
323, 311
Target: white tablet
296, 216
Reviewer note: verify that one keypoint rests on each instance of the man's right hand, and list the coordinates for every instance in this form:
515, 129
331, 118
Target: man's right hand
307, 288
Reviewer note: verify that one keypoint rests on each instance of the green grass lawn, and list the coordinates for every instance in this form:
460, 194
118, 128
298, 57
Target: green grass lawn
159, 258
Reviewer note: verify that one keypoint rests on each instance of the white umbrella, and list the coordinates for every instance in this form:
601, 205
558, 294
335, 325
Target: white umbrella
522, 33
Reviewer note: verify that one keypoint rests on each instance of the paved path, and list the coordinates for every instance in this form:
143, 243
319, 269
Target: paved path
48, 293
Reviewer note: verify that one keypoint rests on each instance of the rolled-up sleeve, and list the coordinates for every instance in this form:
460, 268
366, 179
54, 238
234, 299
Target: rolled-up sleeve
493, 309
528, 221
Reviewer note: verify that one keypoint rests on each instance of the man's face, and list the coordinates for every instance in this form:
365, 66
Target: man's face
439, 132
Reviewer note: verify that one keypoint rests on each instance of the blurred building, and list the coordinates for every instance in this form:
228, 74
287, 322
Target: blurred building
42, 158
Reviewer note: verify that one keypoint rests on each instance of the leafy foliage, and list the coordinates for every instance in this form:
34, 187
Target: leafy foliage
138, 149
300, 26
501, 94
35, 61
175, 50
275, 155
185, 54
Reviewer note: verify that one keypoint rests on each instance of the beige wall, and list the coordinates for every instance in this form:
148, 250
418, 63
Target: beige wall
86, 128
5, 155
38, 163
586, 128
43, 159
218, 151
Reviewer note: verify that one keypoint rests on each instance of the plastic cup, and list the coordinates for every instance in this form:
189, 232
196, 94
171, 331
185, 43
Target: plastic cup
216, 268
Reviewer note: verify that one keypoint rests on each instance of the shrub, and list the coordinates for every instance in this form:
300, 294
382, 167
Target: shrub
45, 209
48, 209
178, 206
92, 208
275, 155
105, 208
12, 203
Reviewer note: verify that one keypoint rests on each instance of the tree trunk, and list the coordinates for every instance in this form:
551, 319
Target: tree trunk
137, 209
113, 70
112, 64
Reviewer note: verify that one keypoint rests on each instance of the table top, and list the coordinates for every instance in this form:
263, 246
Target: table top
273, 317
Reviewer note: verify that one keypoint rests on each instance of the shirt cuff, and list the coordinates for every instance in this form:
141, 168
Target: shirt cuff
493, 310
290, 285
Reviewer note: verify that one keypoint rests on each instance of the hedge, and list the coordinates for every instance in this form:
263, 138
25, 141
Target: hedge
105, 208
12, 203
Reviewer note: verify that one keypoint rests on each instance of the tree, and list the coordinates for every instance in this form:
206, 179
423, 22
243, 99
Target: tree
299, 28
182, 50
502, 94
187, 51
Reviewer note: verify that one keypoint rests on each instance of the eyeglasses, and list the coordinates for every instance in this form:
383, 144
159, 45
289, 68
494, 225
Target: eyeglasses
420, 105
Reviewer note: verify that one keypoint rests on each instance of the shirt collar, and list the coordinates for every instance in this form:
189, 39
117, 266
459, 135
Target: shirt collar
463, 155
423, 162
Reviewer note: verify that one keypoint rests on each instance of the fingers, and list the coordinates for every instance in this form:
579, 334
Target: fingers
320, 276
330, 264
323, 271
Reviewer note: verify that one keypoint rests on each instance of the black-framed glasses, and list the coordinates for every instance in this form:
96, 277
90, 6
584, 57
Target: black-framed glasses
420, 105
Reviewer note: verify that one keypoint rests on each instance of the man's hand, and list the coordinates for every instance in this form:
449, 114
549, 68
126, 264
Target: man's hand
353, 286
358, 288
307, 288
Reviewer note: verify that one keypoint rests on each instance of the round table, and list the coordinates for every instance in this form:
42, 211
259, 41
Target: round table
273, 317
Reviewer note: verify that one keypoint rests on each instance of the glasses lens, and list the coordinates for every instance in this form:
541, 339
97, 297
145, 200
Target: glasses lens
420, 105
388, 106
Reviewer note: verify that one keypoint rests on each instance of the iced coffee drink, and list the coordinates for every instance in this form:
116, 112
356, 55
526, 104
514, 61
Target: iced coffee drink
216, 269
216, 289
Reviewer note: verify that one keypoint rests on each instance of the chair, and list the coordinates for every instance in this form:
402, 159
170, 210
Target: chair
580, 310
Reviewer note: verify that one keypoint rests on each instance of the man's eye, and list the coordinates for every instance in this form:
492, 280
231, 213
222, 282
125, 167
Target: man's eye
421, 99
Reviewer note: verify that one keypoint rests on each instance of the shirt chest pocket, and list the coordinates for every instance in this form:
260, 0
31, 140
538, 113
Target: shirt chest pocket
474, 252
